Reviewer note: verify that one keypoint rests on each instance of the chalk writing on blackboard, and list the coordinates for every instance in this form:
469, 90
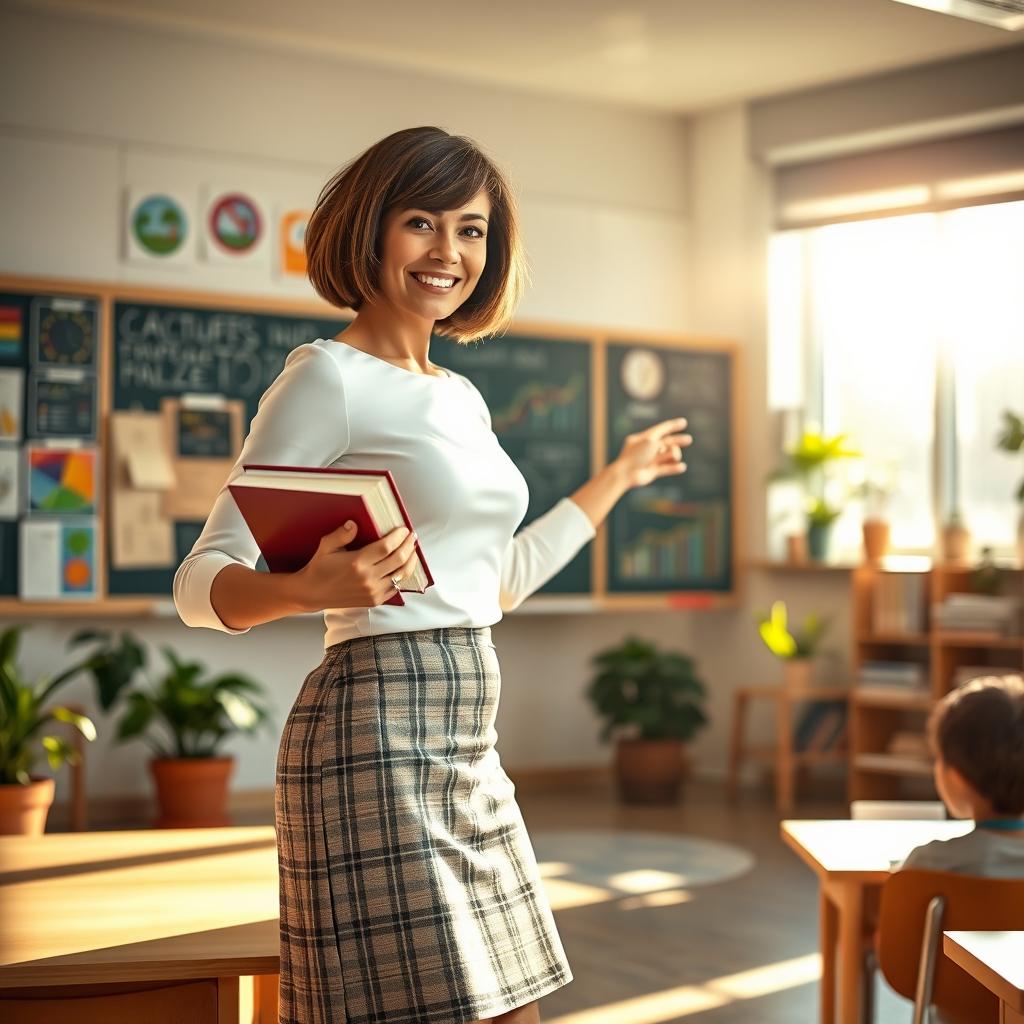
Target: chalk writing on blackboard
675, 533
538, 393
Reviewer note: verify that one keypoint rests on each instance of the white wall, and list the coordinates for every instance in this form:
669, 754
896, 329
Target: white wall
86, 109
730, 200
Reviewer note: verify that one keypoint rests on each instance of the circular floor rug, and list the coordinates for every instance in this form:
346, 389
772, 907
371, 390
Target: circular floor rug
631, 862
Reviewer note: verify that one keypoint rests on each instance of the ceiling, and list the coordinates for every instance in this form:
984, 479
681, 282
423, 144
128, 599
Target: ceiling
670, 55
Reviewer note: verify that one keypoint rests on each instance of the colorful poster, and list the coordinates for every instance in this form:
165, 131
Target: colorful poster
57, 560
158, 227
10, 483
292, 242
62, 404
12, 333
235, 228
12, 390
61, 480
64, 332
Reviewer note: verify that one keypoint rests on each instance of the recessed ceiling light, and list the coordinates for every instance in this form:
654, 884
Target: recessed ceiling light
1008, 14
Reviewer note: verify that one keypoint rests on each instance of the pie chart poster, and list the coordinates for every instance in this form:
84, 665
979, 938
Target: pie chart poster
674, 534
538, 393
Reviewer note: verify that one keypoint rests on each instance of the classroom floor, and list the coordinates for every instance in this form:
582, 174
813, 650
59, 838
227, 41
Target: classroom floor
743, 951
740, 952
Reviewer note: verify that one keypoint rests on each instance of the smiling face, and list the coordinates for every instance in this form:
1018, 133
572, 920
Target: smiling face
432, 262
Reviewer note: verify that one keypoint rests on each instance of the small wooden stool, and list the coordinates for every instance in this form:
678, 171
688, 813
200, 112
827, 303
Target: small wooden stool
786, 759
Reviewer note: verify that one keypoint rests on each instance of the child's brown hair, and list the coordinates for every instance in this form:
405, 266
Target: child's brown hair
978, 729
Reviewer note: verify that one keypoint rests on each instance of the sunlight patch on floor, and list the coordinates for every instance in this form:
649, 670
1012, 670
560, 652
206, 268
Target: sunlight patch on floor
673, 1003
645, 880
564, 895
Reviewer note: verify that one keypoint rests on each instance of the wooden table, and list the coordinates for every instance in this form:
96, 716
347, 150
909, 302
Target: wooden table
996, 959
852, 860
154, 926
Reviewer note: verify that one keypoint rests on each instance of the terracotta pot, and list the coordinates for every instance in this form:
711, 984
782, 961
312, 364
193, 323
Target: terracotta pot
192, 792
876, 540
956, 541
23, 809
796, 548
797, 674
650, 771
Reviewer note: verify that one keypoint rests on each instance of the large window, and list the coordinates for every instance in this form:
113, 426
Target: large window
907, 333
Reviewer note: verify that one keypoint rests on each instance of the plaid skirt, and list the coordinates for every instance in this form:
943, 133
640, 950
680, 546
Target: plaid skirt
410, 892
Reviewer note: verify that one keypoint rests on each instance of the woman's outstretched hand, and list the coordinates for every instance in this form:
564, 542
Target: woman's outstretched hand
654, 452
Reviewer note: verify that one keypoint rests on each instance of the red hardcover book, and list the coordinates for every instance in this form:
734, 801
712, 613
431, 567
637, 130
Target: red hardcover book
288, 516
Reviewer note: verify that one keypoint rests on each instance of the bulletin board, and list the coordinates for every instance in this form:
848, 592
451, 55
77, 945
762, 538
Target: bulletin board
562, 400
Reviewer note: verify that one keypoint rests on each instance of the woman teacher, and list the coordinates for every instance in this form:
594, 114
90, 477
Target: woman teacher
409, 888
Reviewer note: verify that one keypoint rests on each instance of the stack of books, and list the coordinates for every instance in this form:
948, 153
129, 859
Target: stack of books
897, 675
911, 745
898, 603
979, 613
965, 673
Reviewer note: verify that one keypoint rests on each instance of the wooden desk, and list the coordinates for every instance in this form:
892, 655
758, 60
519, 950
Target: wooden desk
852, 860
153, 926
996, 959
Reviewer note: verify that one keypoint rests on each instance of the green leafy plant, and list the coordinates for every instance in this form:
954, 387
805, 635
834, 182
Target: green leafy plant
1011, 439
23, 717
195, 713
646, 689
808, 462
786, 643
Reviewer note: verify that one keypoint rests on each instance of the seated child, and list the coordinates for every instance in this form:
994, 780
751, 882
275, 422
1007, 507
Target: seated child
977, 737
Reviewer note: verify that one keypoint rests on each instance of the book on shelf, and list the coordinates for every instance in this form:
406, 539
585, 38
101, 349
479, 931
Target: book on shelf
902, 674
908, 744
893, 763
979, 613
898, 603
821, 726
290, 508
965, 673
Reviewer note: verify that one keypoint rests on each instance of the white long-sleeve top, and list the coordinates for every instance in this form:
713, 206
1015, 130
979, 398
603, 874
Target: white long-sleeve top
335, 405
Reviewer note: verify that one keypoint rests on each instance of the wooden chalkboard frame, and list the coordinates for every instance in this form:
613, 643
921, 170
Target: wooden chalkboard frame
107, 294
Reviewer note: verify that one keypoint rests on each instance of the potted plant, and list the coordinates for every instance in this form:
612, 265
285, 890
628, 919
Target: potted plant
25, 722
653, 701
956, 539
796, 648
1012, 440
875, 490
195, 715
809, 461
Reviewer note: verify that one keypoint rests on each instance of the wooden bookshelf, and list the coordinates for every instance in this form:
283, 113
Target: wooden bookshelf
878, 713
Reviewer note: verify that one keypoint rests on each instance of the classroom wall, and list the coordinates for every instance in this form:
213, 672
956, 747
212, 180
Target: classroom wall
87, 107
631, 219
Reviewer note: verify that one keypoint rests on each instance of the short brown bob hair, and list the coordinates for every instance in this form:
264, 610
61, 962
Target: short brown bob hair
428, 169
978, 729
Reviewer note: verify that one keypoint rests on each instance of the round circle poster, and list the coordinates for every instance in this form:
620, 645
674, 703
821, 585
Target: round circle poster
235, 223
159, 225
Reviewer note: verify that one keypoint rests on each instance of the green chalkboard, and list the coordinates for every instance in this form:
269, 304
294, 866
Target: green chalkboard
162, 350
538, 392
676, 533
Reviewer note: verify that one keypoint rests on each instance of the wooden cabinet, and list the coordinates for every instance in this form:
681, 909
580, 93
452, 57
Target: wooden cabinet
882, 716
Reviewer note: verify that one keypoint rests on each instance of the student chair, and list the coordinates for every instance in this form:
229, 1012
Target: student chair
897, 810
916, 908
885, 810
